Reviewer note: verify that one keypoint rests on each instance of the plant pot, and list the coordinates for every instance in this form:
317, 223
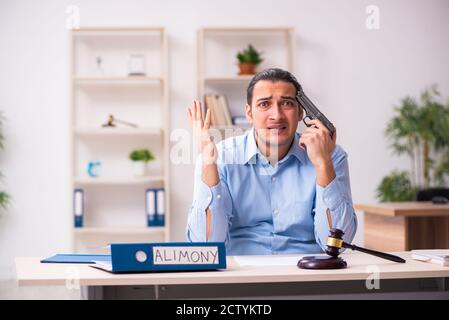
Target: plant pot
140, 168
247, 68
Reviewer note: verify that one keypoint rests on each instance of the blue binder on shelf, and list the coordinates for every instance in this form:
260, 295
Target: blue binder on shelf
78, 207
155, 207
164, 256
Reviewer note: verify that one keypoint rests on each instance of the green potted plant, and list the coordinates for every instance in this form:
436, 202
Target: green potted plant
4, 197
395, 187
248, 59
140, 158
421, 131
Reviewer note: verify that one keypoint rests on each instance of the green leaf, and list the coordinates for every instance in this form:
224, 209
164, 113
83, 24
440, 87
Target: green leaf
2, 138
395, 187
141, 155
422, 127
442, 170
4, 199
249, 55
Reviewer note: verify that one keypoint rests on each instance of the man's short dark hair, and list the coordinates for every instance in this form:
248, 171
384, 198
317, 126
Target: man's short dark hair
274, 75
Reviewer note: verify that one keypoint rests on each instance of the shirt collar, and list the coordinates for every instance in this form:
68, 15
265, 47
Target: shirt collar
251, 150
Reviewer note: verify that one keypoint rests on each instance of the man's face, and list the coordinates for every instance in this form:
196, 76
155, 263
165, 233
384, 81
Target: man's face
274, 112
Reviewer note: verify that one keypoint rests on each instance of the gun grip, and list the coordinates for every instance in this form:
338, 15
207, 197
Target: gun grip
304, 120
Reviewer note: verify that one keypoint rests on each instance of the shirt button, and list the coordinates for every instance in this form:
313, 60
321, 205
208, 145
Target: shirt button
276, 211
219, 196
273, 179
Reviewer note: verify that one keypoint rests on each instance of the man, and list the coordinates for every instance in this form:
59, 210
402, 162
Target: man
267, 191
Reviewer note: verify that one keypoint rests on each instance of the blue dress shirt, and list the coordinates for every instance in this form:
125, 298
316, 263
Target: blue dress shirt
259, 209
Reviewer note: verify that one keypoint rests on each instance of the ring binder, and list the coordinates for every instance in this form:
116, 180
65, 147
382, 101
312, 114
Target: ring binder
150, 207
78, 207
164, 256
155, 207
160, 207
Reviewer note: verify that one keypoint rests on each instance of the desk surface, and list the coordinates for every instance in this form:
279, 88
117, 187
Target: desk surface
31, 272
405, 209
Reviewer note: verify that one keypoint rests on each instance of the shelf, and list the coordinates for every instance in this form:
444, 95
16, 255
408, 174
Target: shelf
100, 86
117, 30
246, 29
118, 230
131, 80
218, 43
229, 78
118, 181
100, 132
233, 127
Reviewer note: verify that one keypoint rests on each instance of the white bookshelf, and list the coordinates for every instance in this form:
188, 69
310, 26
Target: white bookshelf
119, 181
131, 80
221, 44
104, 132
122, 231
114, 206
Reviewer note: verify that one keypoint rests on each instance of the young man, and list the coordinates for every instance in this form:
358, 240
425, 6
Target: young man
267, 191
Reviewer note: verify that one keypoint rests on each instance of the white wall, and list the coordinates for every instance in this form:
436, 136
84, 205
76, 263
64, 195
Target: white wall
354, 74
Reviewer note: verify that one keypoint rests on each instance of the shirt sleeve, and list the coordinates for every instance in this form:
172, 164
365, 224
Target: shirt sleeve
337, 197
218, 199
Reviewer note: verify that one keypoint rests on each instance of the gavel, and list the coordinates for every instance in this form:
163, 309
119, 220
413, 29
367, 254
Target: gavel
334, 243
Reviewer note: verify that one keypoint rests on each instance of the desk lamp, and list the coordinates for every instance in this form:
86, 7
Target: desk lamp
334, 244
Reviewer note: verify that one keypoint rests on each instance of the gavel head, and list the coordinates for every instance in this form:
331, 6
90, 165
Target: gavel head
334, 242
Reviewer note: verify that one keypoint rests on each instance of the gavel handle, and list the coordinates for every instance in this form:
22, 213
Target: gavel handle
374, 253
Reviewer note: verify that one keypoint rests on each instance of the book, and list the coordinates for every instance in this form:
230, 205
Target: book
240, 120
437, 256
223, 103
218, 105
209, 102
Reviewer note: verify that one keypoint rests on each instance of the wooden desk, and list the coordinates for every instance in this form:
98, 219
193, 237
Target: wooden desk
401, 280
403, 226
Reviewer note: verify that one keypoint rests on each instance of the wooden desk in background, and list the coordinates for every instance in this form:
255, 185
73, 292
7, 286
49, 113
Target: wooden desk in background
403, 226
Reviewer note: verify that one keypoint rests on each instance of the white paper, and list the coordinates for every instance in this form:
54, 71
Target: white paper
104, 265
267, 260
440, 254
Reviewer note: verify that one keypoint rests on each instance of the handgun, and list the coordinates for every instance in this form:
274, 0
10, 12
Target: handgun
312, 111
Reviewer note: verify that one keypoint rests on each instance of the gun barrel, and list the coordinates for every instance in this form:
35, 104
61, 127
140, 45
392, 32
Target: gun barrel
313, 112
308, 105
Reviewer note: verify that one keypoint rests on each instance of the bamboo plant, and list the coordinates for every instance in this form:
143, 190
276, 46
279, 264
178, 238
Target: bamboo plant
421, 131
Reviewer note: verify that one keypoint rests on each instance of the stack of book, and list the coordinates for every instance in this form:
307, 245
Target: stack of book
218, 106
240, 121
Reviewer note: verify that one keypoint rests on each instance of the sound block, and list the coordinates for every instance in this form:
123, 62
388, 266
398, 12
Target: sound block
322, 262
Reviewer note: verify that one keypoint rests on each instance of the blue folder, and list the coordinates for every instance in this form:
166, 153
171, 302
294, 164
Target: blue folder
164, 256
77, 258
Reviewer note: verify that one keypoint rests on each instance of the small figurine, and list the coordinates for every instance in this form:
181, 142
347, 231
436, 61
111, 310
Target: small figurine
93, 168
111, 122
